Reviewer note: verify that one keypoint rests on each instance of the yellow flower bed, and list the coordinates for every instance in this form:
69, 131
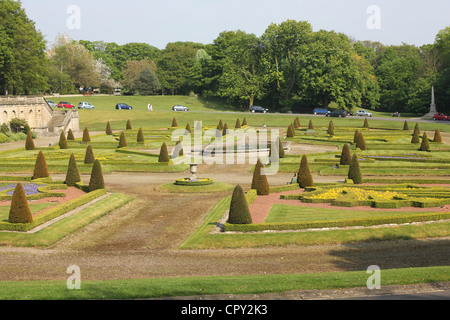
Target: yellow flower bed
357, 194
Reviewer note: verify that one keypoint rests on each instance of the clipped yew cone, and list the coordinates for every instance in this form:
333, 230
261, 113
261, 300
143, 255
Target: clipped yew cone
40, 167
239, 212
19, 211
29, 143
73, 174
304, 176
96, 181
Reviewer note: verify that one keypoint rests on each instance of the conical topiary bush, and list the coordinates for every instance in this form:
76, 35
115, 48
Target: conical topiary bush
40, 167
345, 155
129, 127
89, 157
62, 140
140, 136
19, 211
354, 172
437, 136
174, 123
244, 122
73, 175
417, 128
108, 130
366, 123
29, 143
310, 125
188, 128
239, 212
259, 181
360, 142
163, 154
220, 125
290, 131
225, 130
297, 123
405, 125
330, 129
96, 181
304, 176
122, 140
281, 152
355, 136
86, 135
238, 124
177, 150
425, 145
70, 135
415, 138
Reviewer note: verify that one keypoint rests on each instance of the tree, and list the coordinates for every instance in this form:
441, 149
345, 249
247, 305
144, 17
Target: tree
304, 176
287, 45
72, 66
122, 140
355, 136
96, 181
290, 131
29, 143
163, 154
62, 140
345, 155
244, 74
330, 129
354, 172
405, 125
40, 167
73, 175
239, 212
174, 123
244, 122
415, 138
417, 128
425, 145
188, 128
238, 124
225, 129
86, 135
23, 65
259, 180
140, 136
128, 126
366, 123
133, 70
19, 211
89, 157
108, 129
297, 123
310, 125
147, 83
281, 152
360, 142
70, 135
220, 125
437, 136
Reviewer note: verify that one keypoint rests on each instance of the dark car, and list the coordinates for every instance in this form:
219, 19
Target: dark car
120, 106
64, 104
338, 113
254, 109
321, 111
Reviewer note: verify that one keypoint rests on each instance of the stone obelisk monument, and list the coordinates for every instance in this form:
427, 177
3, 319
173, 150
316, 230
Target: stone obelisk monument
433, 110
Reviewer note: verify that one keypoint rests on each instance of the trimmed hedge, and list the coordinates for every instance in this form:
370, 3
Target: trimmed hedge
362, 222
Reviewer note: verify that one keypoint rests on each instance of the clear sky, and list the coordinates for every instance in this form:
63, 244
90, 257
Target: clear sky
158, 22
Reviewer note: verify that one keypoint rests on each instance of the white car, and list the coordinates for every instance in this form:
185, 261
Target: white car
363, 113
180, 108
85, 105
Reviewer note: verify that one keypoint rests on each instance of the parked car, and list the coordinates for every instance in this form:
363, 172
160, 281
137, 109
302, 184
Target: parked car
120, 106
254, 109
363, 113
52, 104
85, 105
440, 116
338, 113
321, 111
64, 104
180, 108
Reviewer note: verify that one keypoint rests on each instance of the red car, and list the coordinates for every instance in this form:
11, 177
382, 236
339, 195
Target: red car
63, 104
440, 116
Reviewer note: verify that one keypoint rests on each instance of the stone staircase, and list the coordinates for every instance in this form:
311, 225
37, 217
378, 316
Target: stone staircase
57, 120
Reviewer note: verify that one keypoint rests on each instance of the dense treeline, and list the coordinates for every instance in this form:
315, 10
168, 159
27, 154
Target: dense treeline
289, 67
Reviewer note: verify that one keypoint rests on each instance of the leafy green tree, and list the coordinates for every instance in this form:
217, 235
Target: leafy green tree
239, 212
133, 70
23, 64
147, 83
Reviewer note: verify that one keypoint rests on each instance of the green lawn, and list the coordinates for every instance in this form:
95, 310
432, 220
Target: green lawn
189, 286
290, 213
